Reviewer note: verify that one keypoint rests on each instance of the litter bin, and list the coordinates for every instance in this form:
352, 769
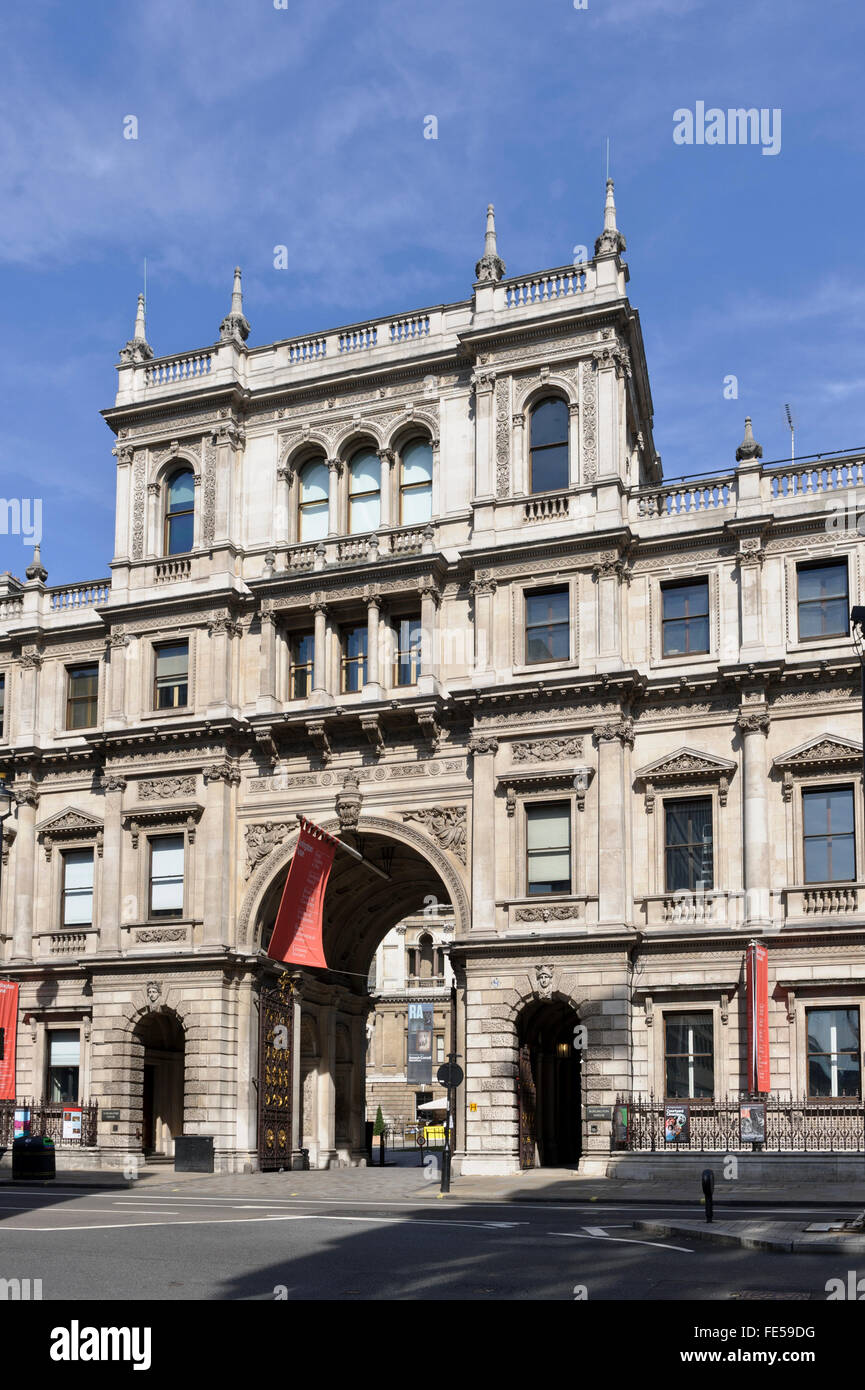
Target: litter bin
193, 1153
33, 1157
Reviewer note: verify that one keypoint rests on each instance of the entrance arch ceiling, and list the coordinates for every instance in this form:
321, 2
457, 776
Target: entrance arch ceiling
359, 907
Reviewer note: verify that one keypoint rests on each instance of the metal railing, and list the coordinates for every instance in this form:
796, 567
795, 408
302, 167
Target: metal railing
792, 1126
46, 1118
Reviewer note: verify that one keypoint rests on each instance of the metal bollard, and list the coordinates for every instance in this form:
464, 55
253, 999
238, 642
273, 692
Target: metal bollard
708, 1189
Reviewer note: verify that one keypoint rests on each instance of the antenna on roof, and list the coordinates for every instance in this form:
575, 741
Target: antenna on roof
608, 157
792, 430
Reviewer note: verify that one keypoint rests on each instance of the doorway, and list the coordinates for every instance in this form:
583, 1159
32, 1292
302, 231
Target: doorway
162, 1041
549, 1084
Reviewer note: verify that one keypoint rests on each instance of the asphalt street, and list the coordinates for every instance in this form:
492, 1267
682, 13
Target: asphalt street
194, 1244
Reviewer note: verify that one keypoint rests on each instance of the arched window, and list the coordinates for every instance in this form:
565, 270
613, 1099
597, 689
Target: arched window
425, 966
364, 492
415, 484
179, 512
312, 507
548, 445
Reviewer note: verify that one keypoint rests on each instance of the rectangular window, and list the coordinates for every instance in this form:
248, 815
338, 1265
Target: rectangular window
688, 1057
166, 876
440, 1047
2, 704
353, 659
64, 1062
172, 676
408, 647
685, 617
547, 625
833, 1052
77, 907
82, 688
827, 818
688, 849
301, 648
823, 610
548, 843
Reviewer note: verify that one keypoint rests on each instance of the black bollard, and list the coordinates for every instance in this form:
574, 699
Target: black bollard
708, 1189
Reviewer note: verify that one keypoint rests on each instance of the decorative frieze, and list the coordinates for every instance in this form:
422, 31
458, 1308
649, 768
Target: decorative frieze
262, 838
547, 750
446, 825
160, 788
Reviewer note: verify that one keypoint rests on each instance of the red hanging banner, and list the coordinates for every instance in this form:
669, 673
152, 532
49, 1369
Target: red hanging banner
8, 1030
757, 986
296, 936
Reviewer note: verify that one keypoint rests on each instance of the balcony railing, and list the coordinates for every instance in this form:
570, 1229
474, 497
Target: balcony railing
69, 596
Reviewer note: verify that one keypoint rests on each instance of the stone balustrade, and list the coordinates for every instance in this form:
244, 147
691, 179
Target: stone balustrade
71, 596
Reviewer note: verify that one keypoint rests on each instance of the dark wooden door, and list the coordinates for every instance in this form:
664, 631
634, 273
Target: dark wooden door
528, 1107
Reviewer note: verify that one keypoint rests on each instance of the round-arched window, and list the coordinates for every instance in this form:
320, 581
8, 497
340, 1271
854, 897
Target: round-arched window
364, 492
548, 445
415, 487
179, 512
312, 510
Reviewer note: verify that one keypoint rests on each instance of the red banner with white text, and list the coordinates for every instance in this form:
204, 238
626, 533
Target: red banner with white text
8, 1030
296, 936
757, 986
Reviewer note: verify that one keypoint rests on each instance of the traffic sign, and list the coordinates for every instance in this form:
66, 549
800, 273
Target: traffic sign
450, 1075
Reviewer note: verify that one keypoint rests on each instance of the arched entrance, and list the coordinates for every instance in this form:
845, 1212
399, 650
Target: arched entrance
549, 1086
161, 1041
403, 873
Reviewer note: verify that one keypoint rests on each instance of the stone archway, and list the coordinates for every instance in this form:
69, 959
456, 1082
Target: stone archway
159, 1050
549, 1090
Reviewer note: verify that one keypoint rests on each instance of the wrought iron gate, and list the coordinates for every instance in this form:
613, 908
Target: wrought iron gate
527, 1097
275, 1053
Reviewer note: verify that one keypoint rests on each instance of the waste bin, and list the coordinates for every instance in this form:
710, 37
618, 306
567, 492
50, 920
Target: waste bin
33, 1157
193, 1153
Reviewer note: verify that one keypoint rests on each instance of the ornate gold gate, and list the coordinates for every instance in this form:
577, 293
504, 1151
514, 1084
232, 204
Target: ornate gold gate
275, 1052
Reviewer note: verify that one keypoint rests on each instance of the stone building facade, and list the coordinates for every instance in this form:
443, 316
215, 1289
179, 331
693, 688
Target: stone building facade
421, 580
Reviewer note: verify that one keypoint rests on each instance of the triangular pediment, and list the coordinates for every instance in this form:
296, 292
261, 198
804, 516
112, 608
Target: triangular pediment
826, 750
686, 763
70, 822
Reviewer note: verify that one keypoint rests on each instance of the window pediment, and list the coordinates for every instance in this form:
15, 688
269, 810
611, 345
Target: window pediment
70, 824
186, 814
825, 752
686, 767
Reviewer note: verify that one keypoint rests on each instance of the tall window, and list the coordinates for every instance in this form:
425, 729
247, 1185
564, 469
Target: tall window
689, 1057
686, 617
179, 512
689, 851
312, 511
823, 600
548, 445
827, 817
415, 487
547, 625
548, 845
2, 703
301, 650
364, 492
77, 905
166, 876
833, 1052
408, 651
353, 659
82, 689
171, 685
64, 1063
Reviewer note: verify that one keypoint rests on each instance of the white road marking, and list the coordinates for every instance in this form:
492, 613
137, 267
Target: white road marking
619, 1240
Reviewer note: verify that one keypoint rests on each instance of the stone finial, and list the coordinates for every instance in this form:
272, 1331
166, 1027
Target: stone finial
235, 325
349, 801
490, 268
37, 570
610, 242
137, 348
749, 449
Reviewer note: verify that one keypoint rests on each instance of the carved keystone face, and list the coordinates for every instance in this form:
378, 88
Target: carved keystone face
153, 992
545, 978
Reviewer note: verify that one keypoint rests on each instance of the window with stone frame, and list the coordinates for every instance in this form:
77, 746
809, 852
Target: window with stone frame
823, 600
82, 696
171, 680
685, 617
353, 659
179, 523
364, 492
407, 654
63, 1065
548, 847
415, 483
76, 899
312, 506
301, 662
547, 625
688, 844
828, 831
689, 1056
548, 445
167, 854
834, 1070
2, 706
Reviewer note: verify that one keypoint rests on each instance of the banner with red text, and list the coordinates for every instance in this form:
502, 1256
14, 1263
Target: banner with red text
8, 1030
757, 986
296, 936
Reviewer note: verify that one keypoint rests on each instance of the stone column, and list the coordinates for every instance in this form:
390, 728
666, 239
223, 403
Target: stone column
109, 913
483, 382
267, 669
27, 796
429, 664
153, 540
754, 726
30, 665
221, 628
482, 590
483, 750
520, 469
750, 562
118, 642
218, 781
334, 472
386, 460
320, 694
327, 1086
613, 875
372, 686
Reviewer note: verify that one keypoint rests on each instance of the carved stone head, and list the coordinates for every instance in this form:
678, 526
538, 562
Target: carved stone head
544, 974
154, 990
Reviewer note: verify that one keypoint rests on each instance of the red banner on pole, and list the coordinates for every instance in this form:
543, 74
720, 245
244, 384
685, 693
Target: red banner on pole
9, 1027
296, 936
757, 985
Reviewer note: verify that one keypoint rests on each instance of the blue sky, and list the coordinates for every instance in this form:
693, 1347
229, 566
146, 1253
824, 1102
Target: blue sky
304, 127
